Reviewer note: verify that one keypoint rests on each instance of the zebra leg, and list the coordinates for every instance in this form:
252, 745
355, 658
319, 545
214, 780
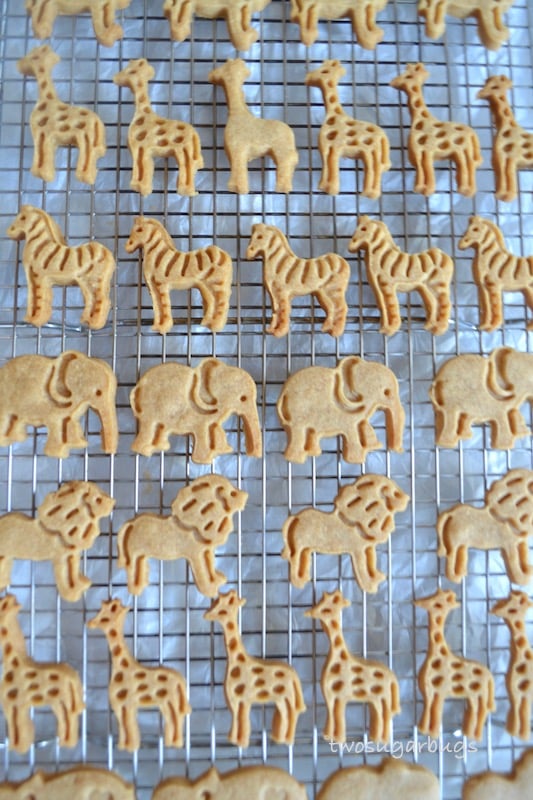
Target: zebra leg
209, 318
528, 296
495, 300
334, 304
281, 312
161, 305
485, 314
389, 306
39, 307
430, 301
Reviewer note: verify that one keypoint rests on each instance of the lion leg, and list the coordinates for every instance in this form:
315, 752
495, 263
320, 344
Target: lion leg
6, 564
516, 557
71, 582
206, 577
138, 574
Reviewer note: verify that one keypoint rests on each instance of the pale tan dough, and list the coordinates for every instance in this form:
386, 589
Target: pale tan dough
107, 31
362, 13
488, 14
514, 785
391, 778
82, 782
237, 13
244, 783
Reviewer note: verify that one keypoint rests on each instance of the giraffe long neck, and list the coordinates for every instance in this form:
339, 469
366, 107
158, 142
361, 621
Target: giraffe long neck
437, 641
521, 644
337, 645
232, 639
121, 658
12, 643
235, 99
331, 99
47, 89
143, 104
502, 111
417, 104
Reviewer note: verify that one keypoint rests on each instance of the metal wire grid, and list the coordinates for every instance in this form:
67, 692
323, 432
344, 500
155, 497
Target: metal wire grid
166, 620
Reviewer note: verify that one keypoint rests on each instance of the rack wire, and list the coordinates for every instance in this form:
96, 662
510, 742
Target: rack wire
167, 622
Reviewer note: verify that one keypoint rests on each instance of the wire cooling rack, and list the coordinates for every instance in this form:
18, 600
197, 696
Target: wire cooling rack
166, 623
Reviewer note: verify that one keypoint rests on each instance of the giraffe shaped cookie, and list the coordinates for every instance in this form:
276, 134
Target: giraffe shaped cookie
237, 13
488, 13
107, 31
514, 785
81, 782
431, 139
54, 123
362, 13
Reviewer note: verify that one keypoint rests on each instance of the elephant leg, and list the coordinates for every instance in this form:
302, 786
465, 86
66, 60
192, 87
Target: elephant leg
447, 424
151, 436
12, 429
502, 426
209, 440
74, 433
57, 442
298, 438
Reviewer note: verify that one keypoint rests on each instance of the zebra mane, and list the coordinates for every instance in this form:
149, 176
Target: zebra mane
154, 223
493, 228
277, 234
53, 228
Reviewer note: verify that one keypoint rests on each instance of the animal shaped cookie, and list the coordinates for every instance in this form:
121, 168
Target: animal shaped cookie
48, 261
389, 271
151, 136
488, 14
54, 393
66, 524
431, 139
287, 276
363, 517
237, 13
250, 680
472, 389
504, 523
177, 399
27, 684
209, 269
512, 146
244, 782
107, 31
444, 674
392, 777
342, 136
514, 785
362, 13
77, 783
352, 679
201, 521
318, 402
133, 686
247, 137
54, 123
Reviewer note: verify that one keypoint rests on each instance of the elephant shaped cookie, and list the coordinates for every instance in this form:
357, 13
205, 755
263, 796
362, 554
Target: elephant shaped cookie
392, 777
55, 392
241, 783
318, 402
472, 389
177, 399
82, 782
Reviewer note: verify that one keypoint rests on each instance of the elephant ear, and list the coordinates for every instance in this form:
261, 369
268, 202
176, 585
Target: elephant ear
201, 390
344, 383
57, 385
497, 381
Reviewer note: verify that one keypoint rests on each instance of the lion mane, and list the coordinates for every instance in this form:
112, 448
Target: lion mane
370, 504
510, 500
74, 512
207, 507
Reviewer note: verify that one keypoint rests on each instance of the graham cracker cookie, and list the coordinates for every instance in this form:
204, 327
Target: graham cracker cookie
106, 29
250, 680
54, 393
208, 269
49, 261
247, 137
286, 276
472, 389
134, 686
151, 136
240, 784
66, 524
444, 674
341, 136
432, 139
513, 785
81, 782
54, 123
362, 518
318, 402
392, 777
389, 271
27, 684
512, 146
237, 13
362, 13
177, 399
488, 14
347, 678
201, 521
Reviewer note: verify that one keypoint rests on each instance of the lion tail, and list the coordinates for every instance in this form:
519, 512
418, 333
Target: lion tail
441, 526
288, 532
123, 536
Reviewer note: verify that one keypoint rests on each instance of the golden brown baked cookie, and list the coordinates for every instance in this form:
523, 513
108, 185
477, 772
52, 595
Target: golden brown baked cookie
54, 123
341, 136
244, 783
250, 680
82, 782
431, 139
392, 778
133, 686
514, 785
347, 678
247, 137
446, 675
363, 517
107, 31
177, 399
54, 393
488, 14
151, 136
48, 261
512, 147
287, 276
28, 684
389, 271
66, 524
237, 13
208, 269
362, 13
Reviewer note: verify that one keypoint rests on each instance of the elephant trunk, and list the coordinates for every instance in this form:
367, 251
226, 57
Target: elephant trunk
395, 421
252, 432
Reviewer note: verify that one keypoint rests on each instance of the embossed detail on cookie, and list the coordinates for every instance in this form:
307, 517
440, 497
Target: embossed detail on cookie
446, 675
363, 517
512, 146
134, 686
239, 784
55, 393
177, 399
208, 269
77, 783
28, 684
247, 137
54, 123
151, 136
48, 261
287, 276
432, 139
514, 785
472, 389
347, 678
392, 777
106, 29
237, 13
488, 14
318, 402
66, 524
389, 271
341, 136
362, 13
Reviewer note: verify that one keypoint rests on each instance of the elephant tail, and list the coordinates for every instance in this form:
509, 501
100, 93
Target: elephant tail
135, 401
283, 408
124, 558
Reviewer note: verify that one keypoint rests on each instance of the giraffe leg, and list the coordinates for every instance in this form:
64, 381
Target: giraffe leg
240, 727
186, 170
425, 174
142, 175
44, 154
86, 164
281, 722
524, 730
172, 729
506, 180
512, 724
285, 167
330, 178
372, 179
6, 564
129, 737
238, 179
20, 728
